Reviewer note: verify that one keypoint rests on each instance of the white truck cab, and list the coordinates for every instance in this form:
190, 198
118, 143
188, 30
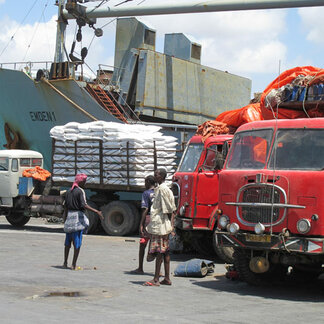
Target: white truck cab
12, 165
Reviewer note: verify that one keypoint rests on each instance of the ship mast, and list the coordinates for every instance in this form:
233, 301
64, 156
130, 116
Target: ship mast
60, 33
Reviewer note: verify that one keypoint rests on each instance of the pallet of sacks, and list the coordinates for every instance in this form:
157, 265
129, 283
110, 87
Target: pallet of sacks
111, 153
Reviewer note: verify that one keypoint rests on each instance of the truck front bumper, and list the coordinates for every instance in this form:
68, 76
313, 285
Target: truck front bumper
274, 242
184, 224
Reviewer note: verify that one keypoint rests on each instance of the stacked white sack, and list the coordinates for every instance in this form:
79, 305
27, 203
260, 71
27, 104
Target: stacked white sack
115, 136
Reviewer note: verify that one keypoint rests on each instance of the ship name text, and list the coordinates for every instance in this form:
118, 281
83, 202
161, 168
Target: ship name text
42, 116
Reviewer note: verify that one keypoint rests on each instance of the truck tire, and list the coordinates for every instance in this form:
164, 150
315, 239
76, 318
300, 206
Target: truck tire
225, 253
17, 219
118, 218
137, 218
276, 273
241, 264
93, 218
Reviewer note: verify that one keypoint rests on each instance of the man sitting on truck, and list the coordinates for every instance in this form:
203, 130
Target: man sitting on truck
160, 226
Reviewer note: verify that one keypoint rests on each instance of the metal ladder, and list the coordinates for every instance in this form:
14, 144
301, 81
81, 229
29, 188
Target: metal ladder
111, 105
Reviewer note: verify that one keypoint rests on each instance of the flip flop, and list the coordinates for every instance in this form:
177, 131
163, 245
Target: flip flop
165, 282
151, 283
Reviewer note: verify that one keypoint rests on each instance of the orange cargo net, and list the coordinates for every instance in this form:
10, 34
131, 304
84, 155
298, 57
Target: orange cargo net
288, 76
211, 128
312, 75
37, 173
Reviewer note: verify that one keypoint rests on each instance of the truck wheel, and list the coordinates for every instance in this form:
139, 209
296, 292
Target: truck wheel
241, 264
225, 253
276, 273
137, 218
93, 218
17, 219
118, 218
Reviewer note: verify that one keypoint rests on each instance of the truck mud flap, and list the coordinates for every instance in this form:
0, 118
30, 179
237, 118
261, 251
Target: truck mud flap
272, 242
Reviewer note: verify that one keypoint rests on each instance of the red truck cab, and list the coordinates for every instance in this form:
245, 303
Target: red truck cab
195, 185
271, 199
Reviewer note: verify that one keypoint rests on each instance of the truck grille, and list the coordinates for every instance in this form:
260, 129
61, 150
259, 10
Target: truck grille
262, 194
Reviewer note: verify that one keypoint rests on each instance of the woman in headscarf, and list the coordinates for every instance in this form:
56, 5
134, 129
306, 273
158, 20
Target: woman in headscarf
75, 220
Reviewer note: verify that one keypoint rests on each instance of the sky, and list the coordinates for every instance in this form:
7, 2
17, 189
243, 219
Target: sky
256, 44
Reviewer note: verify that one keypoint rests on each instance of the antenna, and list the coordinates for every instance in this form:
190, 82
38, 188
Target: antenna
275, 151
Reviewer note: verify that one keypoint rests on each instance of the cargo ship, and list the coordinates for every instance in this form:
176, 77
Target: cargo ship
172, 89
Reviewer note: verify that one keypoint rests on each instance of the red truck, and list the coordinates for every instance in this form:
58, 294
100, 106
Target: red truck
195, 186
271, 200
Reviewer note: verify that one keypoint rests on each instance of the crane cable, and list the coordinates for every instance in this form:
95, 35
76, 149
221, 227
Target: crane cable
35, 31
109, 22
47, 37
20, 25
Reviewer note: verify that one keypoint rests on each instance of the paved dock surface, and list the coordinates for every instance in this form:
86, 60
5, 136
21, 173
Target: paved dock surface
35, 289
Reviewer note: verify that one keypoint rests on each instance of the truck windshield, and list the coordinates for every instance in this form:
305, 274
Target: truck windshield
4, 163
191, 157
298, 149
250, 149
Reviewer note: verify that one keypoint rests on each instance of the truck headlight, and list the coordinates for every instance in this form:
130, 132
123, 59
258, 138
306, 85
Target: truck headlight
303, 226
234, 228
223, 221
182, 210
259, 228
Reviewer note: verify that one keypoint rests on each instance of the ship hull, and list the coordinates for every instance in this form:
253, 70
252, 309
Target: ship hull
31, 109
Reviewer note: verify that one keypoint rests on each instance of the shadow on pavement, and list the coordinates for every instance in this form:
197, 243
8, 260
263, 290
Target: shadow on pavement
139, 283
138, 274
313, 292
61, 267
32, 228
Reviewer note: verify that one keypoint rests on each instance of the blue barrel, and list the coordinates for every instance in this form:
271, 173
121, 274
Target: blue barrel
315, 91
192, 268
302, 93
320, 92
295, 93
287, 93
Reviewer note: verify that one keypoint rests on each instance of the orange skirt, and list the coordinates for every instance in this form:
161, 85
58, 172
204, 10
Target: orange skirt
159, 244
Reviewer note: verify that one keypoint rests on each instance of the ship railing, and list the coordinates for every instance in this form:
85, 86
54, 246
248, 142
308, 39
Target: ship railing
106, 72
81, 76
29, 67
